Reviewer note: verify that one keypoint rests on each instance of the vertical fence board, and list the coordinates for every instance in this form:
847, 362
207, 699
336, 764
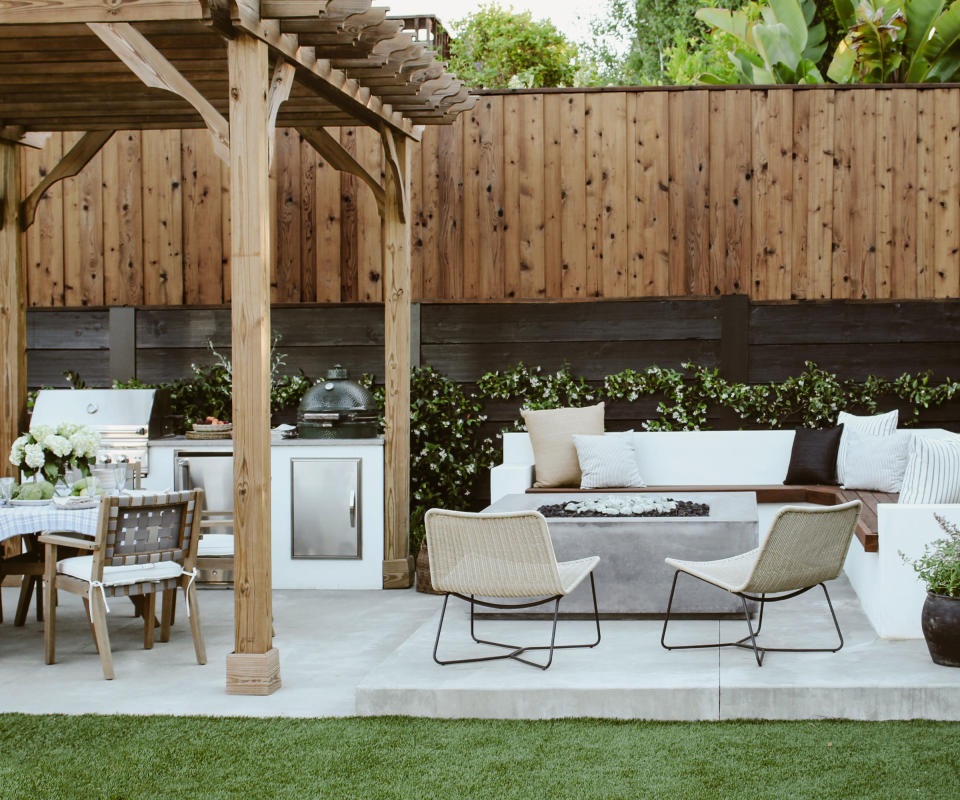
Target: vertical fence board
369, 256
573, 196
696, 191
552, 199
287, 167
430, 216
450, 209
349, 228
513, 131
650, 190
83, 228
926, 194
202, 246
737, 177
162, 219
309, 222
614, 255
946, 278
593, 128
43, 243
844, 199
328, 212
127, 268
800, 277
863, 282
902, 197
820, 196
225, 215
677, 284
415, 188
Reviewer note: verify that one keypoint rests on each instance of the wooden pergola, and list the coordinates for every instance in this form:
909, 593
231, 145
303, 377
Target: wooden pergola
238, 68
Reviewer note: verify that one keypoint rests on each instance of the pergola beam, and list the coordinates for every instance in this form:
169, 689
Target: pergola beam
153, 68
75, 160
337, 157
14, 134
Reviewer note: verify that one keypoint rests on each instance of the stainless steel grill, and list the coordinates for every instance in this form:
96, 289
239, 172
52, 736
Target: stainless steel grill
122, 416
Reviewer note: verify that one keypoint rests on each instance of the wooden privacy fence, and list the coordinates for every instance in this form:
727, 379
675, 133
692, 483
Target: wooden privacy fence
787, 193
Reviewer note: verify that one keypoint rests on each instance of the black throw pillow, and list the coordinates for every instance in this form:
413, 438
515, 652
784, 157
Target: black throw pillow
814, 456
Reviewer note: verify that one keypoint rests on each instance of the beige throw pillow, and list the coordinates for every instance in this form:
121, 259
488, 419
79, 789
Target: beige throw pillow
551, 435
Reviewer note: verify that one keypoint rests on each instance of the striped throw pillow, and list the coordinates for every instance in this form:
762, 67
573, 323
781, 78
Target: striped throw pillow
879, 425
608, 461
933, 472
876, 463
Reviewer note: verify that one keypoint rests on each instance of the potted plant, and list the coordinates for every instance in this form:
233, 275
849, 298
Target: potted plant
939, 568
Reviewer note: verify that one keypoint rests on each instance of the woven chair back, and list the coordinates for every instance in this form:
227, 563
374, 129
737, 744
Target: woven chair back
805, 546
143, 529
493, 555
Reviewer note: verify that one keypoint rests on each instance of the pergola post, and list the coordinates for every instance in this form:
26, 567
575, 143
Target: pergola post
13, 313
254, 666
395, 247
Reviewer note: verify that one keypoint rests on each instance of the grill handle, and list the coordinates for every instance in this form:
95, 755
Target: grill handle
317, 416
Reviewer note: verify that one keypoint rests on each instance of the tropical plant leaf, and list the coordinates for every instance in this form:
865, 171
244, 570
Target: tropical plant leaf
733, 22
790, 14
846, 12
945, 35
923, 17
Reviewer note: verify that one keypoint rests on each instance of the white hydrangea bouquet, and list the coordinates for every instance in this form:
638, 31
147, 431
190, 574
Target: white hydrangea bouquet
52, 451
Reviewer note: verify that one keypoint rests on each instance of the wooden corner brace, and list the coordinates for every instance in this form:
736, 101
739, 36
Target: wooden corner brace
153, 68
75, 160
392, 143
337, 157
280, 86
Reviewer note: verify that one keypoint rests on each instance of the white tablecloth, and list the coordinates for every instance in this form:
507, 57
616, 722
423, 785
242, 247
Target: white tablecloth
20, 520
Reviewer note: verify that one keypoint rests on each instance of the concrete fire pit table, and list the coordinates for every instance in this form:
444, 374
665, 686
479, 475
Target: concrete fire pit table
632, 578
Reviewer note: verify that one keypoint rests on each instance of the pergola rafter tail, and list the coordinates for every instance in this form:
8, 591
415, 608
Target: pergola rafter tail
82, 65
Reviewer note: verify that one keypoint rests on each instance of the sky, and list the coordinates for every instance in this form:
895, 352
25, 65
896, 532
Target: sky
563, 13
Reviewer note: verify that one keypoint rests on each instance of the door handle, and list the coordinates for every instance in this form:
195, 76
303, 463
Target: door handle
353, 508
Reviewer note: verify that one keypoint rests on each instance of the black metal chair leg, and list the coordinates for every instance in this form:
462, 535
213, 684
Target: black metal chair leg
834, 615
666, 619
515, 650
757, 652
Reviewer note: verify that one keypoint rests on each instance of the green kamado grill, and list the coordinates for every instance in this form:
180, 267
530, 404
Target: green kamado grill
337, 408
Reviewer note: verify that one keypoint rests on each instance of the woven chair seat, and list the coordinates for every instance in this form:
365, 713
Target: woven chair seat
731, 574
81, 567
572, 573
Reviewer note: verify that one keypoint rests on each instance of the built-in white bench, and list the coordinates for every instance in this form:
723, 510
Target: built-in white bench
888, 588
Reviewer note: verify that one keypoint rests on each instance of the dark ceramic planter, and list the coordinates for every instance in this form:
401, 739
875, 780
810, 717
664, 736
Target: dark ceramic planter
940, 620
423, 571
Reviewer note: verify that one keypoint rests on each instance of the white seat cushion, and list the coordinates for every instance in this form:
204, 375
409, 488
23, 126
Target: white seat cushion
81, 566
216, 544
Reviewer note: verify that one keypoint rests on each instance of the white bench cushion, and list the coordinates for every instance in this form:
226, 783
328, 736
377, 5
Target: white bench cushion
81, 567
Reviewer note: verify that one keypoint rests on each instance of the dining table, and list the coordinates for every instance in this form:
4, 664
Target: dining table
27, 521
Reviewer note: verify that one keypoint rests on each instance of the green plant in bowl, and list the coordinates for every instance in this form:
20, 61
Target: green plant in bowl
34, 490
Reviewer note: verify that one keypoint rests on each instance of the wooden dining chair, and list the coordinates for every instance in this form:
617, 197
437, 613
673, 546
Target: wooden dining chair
145, 545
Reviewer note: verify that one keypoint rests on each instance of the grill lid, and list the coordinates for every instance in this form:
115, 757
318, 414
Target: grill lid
337, 395
107, 410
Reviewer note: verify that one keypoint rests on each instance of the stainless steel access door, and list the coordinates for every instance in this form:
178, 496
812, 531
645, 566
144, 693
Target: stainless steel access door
210, 471
326, 508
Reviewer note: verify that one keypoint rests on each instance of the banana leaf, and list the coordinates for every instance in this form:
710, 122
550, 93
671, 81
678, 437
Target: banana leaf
945, 34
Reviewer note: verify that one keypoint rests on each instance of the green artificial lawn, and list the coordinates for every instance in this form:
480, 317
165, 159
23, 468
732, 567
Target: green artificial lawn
87, 757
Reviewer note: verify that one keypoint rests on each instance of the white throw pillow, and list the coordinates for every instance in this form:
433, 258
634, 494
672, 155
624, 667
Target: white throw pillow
933, 472
608, 461
876, 463
879, 425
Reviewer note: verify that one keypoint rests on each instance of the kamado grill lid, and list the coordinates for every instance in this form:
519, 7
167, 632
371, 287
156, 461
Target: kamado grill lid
337, 408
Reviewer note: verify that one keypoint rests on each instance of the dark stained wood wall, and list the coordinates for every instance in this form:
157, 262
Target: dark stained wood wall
789, 193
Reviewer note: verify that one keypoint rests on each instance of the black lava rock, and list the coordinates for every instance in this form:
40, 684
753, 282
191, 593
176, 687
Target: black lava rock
685, 508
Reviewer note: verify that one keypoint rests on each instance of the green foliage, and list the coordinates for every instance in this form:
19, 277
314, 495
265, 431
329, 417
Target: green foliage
916, 41
783, 46
939, 566
499, 48
634, 42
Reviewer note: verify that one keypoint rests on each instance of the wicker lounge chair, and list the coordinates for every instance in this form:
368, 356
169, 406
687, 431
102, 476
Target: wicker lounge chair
507, 556
805, 548
145, 545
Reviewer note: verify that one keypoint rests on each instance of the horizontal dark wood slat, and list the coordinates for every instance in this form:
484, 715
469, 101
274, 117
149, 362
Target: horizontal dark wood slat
46, 367
66, 330
542, 322
854, 360
311, 326
827, 323
591, 360
157, 365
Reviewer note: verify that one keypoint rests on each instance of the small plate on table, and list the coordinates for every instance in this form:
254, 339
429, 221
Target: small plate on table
28, 503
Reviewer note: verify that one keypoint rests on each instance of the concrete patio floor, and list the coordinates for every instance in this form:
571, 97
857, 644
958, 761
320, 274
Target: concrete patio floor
368, 653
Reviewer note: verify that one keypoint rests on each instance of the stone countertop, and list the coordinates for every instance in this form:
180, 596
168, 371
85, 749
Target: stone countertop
724, 507
182, 442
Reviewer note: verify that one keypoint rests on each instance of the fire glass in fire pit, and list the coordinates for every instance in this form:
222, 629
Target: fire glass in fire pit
608, 506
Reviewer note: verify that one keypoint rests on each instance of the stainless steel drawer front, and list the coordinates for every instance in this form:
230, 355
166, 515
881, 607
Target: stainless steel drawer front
326, 518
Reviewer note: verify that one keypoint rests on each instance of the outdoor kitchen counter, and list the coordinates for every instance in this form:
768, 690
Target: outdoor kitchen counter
326, 515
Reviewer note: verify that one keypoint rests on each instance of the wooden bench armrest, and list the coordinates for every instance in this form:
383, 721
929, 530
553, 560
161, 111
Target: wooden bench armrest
80, 542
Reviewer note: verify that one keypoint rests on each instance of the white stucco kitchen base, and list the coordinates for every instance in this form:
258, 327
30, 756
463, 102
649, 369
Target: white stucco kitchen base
302, 573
